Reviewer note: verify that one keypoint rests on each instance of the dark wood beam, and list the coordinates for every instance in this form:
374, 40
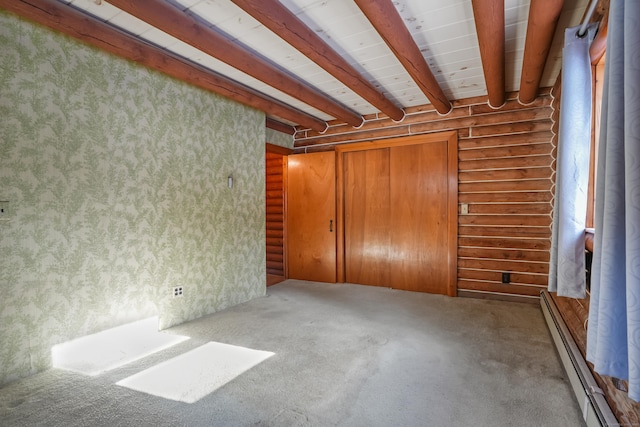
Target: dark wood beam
61, 17
168, 18
273, 15
279, 126
489, 19
543, 19
389, 24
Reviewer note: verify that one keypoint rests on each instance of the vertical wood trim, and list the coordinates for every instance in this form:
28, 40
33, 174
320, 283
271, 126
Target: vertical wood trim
285, 201
592, 151
452, 145
340, 216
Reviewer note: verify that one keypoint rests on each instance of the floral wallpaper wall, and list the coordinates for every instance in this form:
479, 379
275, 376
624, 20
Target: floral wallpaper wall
116, 178
278, 138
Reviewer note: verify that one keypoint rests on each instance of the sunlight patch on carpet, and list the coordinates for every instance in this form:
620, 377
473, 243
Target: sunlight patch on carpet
197, 373
110, 349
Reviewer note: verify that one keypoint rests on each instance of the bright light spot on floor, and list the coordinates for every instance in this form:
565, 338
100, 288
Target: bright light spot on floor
193, 375
110, 349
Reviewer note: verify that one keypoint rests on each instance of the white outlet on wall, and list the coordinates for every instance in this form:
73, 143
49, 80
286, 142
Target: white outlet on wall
178, 291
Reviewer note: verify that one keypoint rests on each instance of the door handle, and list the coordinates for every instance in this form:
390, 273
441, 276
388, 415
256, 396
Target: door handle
330, 226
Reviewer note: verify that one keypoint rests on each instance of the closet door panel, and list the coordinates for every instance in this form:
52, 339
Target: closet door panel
311, 211
419, 204
367, 209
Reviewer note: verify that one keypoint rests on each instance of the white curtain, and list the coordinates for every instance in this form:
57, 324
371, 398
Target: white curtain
613, 337
567, 264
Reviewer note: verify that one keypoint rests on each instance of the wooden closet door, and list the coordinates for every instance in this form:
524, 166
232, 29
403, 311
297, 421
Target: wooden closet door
367, 208
311, 197
419, 204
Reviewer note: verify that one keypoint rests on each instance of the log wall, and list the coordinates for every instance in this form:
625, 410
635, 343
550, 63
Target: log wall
505, 178
275, 168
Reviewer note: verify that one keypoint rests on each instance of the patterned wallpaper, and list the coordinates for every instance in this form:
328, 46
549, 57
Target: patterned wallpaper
116, 178
278, 138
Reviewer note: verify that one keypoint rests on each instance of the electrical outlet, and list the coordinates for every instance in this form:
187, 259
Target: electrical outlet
4, 210
506, 277
178, 291
464, 209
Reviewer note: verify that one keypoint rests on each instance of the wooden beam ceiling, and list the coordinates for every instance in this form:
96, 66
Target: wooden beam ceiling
543, 19
389, 24
168, 18
279, 126
489, 19
273, 15
63, 18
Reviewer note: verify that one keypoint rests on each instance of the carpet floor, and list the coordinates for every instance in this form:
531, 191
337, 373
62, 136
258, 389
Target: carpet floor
344, 355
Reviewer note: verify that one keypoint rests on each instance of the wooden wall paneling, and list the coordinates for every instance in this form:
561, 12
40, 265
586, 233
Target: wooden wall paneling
505, 242
521, 185
495, 276
524, 290
506, 164
501, 231
508, 208
366, 217
512, 128
511, 140
499, 265
311, 204
505, 174
275, 170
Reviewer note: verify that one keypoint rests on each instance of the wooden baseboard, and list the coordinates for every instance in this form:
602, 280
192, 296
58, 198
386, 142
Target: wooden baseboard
498, 296
272, 279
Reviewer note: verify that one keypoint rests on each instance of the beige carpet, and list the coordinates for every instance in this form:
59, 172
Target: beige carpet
344, 355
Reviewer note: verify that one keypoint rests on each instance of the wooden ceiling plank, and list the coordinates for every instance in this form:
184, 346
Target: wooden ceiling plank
543, 20
389, 24
489, 18
61, 17
279, 126
168, 18
280, 20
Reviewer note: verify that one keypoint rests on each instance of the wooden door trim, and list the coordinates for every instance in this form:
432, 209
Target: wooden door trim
452, 168
451, 137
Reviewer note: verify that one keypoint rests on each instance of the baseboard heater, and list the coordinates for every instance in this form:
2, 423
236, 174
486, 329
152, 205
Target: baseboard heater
595, 409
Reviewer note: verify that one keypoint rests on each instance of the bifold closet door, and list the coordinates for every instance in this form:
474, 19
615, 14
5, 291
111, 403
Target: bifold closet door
311, 208
367, 210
